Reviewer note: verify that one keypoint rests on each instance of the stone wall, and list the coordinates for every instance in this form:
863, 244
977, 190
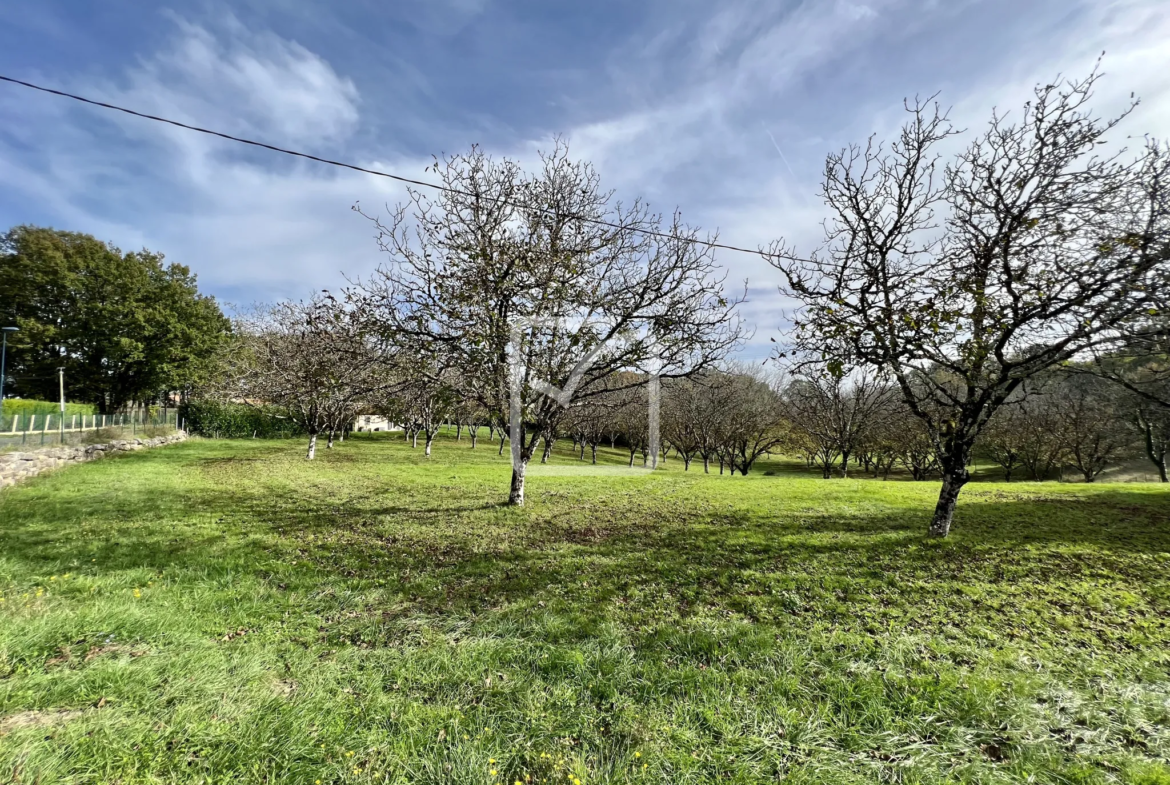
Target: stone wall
17, 466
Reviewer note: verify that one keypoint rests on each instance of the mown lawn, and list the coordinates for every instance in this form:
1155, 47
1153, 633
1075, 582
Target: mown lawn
227, 612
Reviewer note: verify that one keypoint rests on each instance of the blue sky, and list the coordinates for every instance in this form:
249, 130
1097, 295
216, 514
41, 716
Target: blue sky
724, 109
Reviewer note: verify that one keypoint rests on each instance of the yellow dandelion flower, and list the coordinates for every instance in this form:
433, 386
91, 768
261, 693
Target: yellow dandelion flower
493, 772
637, 754
349, 754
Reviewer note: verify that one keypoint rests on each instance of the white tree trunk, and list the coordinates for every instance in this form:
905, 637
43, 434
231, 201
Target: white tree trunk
312, 447
516, 494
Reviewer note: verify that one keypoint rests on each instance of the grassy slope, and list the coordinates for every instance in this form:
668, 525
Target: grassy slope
224, 611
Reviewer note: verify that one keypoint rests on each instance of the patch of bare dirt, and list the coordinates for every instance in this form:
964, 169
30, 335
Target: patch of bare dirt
36, 719
284, 688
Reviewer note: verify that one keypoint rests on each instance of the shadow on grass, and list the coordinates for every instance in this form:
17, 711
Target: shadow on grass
1022, 555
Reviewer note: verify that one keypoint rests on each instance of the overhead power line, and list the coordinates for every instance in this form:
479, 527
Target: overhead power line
356, 168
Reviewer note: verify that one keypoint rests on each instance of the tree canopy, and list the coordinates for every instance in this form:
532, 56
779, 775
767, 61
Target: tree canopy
123, 325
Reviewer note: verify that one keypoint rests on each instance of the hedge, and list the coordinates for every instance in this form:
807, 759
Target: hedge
25, 407
236, 421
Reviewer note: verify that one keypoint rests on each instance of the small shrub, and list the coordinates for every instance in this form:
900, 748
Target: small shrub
155, 431
102, 436
236, 420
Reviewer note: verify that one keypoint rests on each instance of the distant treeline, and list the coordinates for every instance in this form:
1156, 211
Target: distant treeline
23, 407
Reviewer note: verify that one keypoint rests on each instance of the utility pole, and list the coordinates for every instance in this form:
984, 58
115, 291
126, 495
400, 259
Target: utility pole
3, 356
61, 425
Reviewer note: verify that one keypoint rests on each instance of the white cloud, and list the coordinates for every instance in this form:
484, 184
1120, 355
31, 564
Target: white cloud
700, 95
702, 145
252, 83
251, 225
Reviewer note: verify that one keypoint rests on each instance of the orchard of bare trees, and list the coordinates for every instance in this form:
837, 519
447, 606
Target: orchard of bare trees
1001, 306
965, 276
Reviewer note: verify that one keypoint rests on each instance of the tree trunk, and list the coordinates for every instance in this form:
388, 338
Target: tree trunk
706, 464
430, 441
594, 448
1158, 458
632, 453
516, 493
686, 462
502, 448
845, 465
547, 450
459, 432
954, 477
329, 443
474, 436
312, 446
414, 440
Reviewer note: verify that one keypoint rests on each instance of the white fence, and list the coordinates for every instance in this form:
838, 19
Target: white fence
44, 429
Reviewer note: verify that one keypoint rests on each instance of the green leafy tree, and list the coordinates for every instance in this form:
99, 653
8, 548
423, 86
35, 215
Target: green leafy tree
125, 326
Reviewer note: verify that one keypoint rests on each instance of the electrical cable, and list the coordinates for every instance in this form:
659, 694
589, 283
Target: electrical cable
377, 173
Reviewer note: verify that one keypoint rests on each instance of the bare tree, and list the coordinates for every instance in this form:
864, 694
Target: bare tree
685, 407
315, 359
427, 395
1041, 448
1153, 422
1093, 432
550, 273
916, 449
631, 416
1026, 250
1005, 439
751, 421
836, 411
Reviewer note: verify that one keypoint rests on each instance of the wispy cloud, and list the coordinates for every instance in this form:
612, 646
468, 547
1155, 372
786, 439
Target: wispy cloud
668, 98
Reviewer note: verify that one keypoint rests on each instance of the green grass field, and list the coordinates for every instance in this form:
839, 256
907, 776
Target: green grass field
227, 612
